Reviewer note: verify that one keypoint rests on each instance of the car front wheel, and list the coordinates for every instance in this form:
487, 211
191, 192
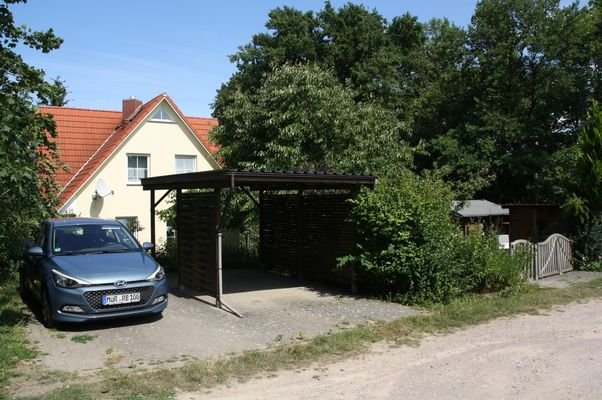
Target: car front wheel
47, 319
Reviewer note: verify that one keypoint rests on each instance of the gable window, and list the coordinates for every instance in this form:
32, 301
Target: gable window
137, 167
162, 115
185, 164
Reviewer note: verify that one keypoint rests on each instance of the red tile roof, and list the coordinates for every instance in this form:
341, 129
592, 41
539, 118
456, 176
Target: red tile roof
202, 126
86, 138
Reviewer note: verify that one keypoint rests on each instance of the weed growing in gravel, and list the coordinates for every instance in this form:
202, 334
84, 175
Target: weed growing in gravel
85, 338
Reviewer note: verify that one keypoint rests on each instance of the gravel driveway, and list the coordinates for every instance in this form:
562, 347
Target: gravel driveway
554, 356
274, 309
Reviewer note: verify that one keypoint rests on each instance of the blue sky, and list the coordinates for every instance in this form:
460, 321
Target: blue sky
114, 49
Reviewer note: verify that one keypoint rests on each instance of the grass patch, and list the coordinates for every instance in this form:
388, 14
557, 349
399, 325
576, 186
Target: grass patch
80, 392
13, 344
202, 374
85, 338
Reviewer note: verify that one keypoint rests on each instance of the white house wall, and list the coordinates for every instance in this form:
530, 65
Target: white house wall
162, 141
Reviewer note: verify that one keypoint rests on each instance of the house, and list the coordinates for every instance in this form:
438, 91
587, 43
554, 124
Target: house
108, 152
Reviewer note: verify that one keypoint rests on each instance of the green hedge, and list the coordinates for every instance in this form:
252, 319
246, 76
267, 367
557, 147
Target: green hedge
409, 248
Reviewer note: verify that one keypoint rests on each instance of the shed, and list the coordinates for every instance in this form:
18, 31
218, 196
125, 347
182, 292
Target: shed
481, 214
535, 221
303, 221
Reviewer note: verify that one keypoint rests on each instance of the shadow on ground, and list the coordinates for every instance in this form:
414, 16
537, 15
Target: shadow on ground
275, 309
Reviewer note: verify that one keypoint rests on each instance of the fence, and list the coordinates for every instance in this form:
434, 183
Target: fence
550, 257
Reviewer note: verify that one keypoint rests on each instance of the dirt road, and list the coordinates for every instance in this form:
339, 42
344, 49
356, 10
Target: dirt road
553, 356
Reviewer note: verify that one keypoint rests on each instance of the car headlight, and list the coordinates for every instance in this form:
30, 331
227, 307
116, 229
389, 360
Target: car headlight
67, 281
157, 275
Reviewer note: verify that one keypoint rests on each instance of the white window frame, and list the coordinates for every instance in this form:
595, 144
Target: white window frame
164, 115
127, 170
170, 232
186, 157
130, 223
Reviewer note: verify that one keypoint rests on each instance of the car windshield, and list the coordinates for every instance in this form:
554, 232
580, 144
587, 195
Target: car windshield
92, 238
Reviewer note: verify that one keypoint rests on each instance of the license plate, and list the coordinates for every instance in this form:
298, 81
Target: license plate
124, 298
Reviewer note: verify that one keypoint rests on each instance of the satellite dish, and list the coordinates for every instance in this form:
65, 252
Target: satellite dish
101, 190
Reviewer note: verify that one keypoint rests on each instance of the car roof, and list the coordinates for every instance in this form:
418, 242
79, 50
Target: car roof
82, 221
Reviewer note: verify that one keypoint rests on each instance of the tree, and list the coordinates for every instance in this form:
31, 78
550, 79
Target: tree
352, 41
28, 157
55, 95
594, 43
528, 76
583, 191
490, 107
585, 200
303, 118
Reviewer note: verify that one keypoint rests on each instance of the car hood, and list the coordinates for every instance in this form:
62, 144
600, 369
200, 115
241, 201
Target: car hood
107, 267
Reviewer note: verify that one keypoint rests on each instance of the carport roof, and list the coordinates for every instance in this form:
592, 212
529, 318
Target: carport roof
258, 179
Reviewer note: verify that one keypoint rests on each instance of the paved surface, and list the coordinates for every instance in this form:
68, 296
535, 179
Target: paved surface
556, 357
274, 308
568, 278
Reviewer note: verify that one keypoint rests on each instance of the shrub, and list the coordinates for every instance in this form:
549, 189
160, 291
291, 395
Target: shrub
409, 248
486, 267
165, 254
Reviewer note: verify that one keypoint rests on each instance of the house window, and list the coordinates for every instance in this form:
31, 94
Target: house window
185, 164
161, 115
170, 232
131, 223
137, 167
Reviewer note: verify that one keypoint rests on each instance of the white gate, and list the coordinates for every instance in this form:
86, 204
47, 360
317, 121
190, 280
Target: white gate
550, 257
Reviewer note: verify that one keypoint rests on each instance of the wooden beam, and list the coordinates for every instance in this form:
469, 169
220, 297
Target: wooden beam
152, 221
162, 197
178, 247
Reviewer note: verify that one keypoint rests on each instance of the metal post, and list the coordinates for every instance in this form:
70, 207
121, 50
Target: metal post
220, 289
219, 303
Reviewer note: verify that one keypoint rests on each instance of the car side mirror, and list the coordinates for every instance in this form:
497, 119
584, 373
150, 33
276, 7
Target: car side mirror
35, 251
147, 246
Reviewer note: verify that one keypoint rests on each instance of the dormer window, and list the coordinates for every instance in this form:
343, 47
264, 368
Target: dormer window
162, 115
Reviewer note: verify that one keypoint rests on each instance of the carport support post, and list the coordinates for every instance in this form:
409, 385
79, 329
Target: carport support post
178, 247
152, 221
300, 233
220, 286
218, 301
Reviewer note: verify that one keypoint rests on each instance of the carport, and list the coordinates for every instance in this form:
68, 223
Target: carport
303, 224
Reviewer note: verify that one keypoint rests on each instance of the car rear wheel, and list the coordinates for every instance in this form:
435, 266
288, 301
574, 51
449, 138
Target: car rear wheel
23, 291
47, 319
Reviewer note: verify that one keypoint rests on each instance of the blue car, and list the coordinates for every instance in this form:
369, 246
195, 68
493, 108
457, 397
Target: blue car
83, 269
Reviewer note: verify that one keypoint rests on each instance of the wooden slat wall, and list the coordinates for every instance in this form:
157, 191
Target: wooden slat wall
197, 221
278, 231
305, 234
327, 236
